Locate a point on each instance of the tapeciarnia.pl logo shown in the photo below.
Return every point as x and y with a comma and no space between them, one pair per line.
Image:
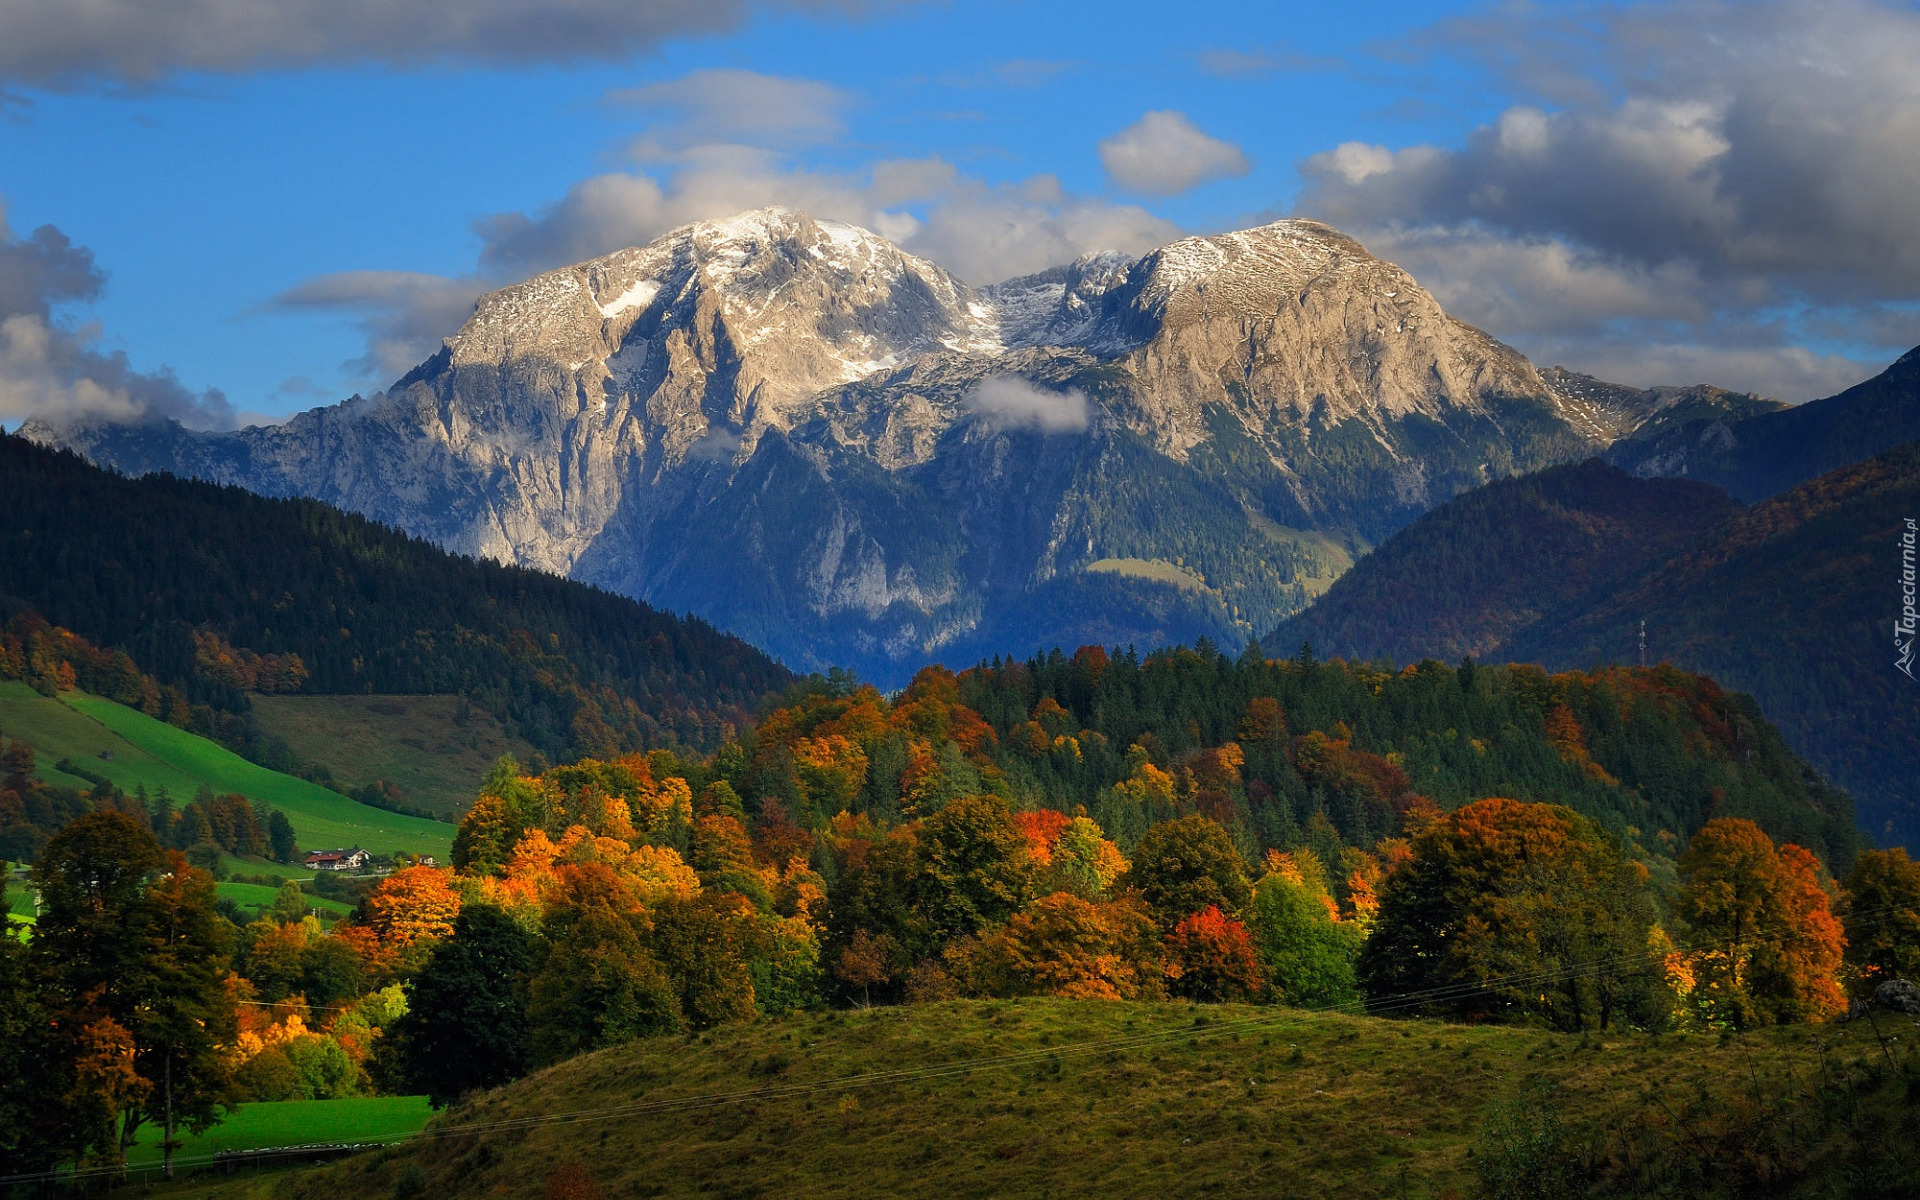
1903,628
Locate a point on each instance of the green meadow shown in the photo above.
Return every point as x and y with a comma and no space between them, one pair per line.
150,753
293,1123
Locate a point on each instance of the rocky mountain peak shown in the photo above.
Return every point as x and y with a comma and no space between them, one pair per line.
798,430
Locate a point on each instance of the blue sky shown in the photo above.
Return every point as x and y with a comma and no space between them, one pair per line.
302,208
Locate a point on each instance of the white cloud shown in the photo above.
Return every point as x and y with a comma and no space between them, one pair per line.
981,232
53,369
66,43
1164,154
1010,402
1693,175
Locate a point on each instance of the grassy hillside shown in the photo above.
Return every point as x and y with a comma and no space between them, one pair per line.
1065,1098
147,752
259,895
292,1122
435,749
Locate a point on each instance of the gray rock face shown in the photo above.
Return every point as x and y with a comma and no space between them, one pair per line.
809,437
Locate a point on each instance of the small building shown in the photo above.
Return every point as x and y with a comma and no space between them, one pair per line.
336,860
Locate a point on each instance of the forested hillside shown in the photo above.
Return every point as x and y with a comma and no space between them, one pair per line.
1465,578
217,593
1791,600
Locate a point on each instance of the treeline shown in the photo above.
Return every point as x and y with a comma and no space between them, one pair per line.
1293,751
215,591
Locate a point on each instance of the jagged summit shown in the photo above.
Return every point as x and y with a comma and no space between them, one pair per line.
837,449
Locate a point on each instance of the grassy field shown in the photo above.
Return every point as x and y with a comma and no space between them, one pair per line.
1329,559
259,895
296,1122
1158,570
154,754
1062,1098
434,748
19,898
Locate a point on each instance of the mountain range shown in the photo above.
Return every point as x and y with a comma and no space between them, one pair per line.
840,452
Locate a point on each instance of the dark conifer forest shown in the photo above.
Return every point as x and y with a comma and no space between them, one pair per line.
217,592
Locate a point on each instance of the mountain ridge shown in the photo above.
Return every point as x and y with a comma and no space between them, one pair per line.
844,454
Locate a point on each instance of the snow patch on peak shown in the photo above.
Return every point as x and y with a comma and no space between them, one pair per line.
639,295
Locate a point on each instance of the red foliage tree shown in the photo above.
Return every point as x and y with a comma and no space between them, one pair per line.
1210,957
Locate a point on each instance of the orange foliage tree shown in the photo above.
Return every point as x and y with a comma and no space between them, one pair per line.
406,913
1065,946
1767,945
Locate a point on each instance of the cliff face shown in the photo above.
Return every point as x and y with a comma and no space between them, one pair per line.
802,433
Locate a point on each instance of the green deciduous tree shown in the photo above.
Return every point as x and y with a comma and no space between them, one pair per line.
1883,918
974,869
598,986
1515,909
1308,955
464,1029
1187,866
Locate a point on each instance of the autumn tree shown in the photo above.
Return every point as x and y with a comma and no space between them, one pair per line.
1187,866
1210,957
1066,946
1083,862
1883,918
410,910
464,1028
1508,908
185,1025
974,869
88,956
1767,946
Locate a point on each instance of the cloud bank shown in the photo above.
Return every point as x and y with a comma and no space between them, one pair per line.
403,314
1700,188
52,369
